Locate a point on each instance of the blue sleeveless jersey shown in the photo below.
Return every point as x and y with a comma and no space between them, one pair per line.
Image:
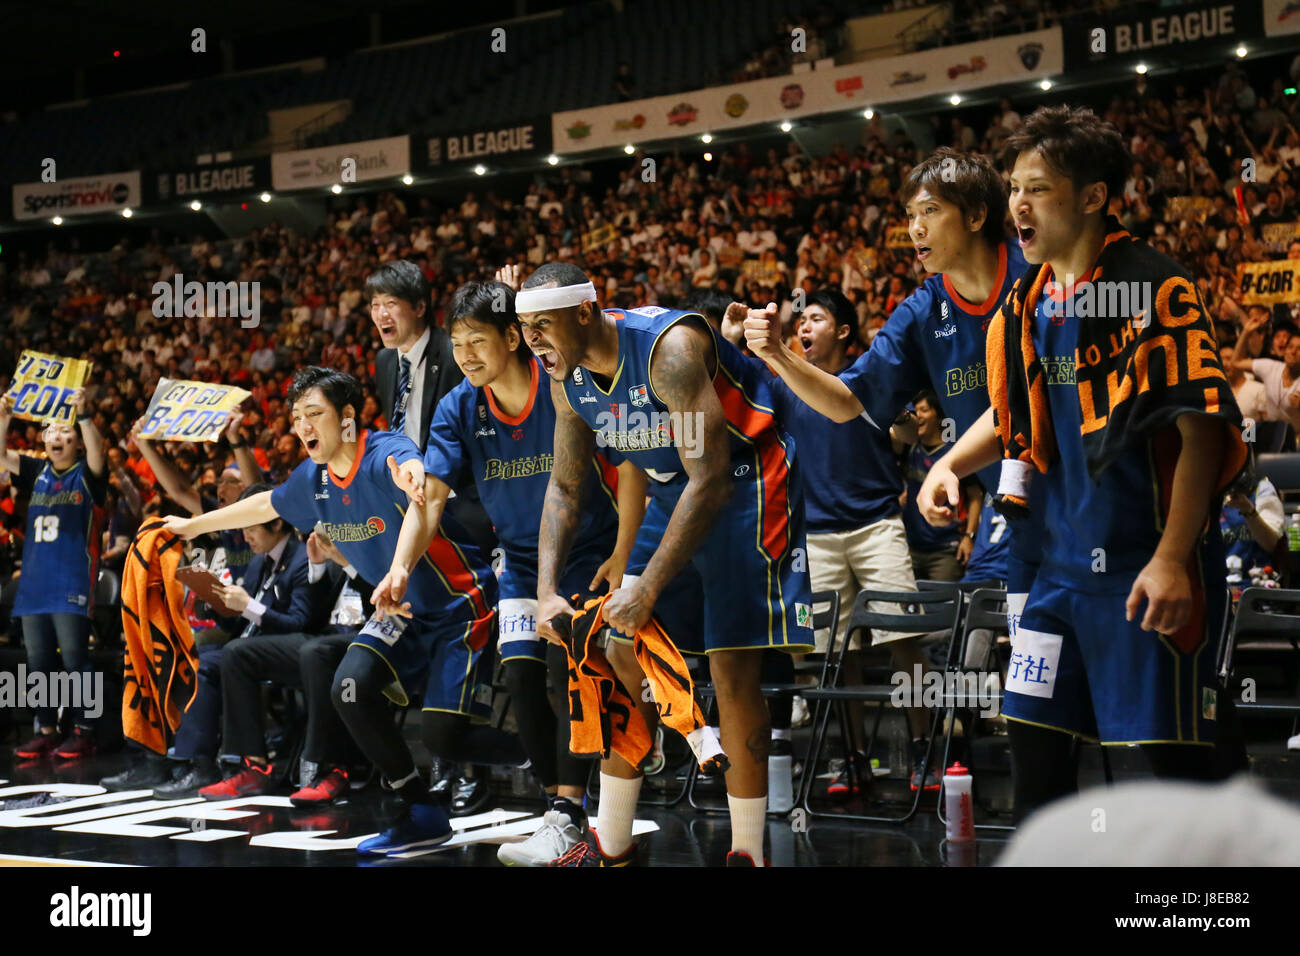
509,460
362,513
630,418
235,554
61,552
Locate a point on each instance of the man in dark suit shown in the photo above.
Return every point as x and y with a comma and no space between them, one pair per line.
302,660
413,371
275,598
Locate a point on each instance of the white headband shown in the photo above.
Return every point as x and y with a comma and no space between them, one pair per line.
561,297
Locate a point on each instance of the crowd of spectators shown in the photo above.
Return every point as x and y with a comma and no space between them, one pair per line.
754,223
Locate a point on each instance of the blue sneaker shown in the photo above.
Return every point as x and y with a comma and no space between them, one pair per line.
421,825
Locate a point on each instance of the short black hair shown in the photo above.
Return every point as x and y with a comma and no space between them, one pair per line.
968,181
492,303
340,388
256,489
710,303
402,279
838,306
930,398
1076,143
561,273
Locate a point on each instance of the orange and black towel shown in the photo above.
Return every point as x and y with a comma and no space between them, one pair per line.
604,717
1135,374
160,662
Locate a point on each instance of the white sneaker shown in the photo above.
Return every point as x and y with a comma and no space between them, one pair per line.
1293,743
799,715
556,836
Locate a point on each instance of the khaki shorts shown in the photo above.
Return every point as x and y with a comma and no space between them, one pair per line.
875,557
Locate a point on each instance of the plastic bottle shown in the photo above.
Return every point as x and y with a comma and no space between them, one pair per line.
958,808
780,777
1293,532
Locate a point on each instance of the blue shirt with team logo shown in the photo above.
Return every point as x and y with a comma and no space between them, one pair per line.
235,552
61,551
509,460
934,339
854,480
921,535
362,513
628,417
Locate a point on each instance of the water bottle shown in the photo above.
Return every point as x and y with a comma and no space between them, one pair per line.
780,778
958,809
1293,532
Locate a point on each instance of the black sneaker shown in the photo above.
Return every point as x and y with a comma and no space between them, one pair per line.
147,772
932,781
187,781
470,797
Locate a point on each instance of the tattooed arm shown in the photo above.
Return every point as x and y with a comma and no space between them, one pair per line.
680,375
575,443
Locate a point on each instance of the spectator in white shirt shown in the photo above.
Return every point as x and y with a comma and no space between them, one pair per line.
1281,380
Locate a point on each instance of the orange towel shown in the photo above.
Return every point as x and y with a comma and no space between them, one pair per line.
160,663
604,717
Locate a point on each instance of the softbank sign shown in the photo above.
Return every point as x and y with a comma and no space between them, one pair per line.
371,159
71,197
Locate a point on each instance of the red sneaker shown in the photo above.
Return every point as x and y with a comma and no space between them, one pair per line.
327,789
80,744
741,858
42,745
252,781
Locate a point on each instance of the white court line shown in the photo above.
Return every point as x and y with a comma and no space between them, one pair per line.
8,858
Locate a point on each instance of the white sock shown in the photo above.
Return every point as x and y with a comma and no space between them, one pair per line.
616,812
748,824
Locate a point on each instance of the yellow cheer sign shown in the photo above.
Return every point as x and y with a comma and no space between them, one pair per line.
190,411
43,385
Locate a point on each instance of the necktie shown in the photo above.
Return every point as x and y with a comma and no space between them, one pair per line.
403,395
264,585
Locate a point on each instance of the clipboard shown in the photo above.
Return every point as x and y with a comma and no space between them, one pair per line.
205,585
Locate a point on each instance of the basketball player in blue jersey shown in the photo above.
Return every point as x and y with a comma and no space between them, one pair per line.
1126,451
440,645
496,430
688,408
56,587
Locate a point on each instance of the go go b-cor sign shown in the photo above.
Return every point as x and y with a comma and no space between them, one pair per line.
43,384
190,411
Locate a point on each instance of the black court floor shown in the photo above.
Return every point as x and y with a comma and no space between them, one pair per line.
136,830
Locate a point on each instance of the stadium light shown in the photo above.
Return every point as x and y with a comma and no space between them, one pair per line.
1045,85
265,197
1241,52
954,99
786,127
1142,69
196,205
336,189
408,179
480,169
127,213
553,159
706,139
868,113
629,149
708,157
57,220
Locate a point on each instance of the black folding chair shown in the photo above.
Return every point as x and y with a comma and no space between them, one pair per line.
1261,617
828,617
936,609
